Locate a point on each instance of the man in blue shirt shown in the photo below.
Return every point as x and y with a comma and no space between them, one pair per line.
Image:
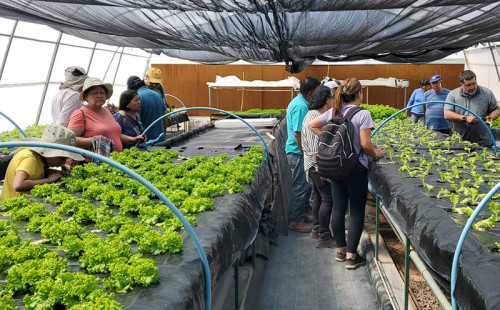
434,115
416,113
301,191
152,107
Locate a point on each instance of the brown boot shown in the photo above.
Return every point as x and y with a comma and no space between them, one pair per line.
326,240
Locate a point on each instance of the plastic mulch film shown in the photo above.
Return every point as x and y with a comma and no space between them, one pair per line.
434,234
283,188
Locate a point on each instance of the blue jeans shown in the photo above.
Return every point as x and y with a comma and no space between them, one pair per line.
301,190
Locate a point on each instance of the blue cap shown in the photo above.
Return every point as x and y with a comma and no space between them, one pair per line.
435,78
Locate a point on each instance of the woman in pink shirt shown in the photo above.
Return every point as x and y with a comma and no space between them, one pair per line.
92,123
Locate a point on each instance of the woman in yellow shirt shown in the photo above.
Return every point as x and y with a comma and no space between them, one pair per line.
29,165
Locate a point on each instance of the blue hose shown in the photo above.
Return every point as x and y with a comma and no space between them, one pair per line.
218,110
14,123
461,241
151,187
440,102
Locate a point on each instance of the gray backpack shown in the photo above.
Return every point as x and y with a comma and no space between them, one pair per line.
336,156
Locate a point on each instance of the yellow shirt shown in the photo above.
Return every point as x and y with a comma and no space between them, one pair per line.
24,160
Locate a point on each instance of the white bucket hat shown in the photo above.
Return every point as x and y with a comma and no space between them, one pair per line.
60,135
91,82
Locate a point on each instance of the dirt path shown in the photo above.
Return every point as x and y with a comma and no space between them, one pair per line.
419,290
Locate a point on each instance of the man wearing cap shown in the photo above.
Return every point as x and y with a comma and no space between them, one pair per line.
152,108
28,166
416,113
153,80
66,101
434,116
479,100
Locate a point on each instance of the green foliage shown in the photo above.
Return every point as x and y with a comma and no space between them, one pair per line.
382,111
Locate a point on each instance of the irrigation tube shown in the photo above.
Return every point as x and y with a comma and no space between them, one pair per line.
218,110
14,123
143,181
440,102
176,98
461,241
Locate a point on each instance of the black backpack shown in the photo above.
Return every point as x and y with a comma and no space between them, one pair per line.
336,156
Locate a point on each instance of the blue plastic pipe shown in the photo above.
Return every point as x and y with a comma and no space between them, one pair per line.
461,241
440,102
213,109
143,181
14,123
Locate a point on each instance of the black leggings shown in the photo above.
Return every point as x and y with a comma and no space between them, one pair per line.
322,201
352,189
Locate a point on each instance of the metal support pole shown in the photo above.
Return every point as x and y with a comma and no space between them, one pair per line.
117,68
494,60
91,57
377,223
147,66
47,80
404,103
236,282
407,270
7,49
209,97
109,65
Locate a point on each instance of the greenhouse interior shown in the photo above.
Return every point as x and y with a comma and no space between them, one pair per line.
186,175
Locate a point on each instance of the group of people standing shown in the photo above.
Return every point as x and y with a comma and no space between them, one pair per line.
447,117
89,126
306,114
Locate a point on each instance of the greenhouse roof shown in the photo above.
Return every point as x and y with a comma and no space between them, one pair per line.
297,32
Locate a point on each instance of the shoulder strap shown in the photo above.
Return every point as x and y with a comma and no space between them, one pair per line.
352,112
84,118
124,118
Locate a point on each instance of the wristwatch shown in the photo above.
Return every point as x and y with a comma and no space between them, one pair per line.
464,118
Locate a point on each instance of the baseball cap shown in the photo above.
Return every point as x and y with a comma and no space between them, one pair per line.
155,75
425,82
435,78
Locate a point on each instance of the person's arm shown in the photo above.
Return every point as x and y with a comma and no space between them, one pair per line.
411,102
71,104
22,184
493,116
129,141
81,142
315,125
298,139
455,117
367,145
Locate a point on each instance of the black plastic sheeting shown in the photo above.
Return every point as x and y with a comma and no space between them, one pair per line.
434,234
263,31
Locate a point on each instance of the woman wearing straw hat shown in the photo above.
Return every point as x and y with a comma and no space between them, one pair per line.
29,165
94,126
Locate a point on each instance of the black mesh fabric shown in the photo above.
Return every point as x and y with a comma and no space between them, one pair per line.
296,32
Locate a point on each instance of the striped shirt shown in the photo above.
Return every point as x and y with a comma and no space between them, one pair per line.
434,114
310,141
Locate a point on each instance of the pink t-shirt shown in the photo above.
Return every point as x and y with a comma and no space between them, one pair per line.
97,124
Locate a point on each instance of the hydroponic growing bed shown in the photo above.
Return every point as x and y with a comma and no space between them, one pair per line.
430,184
101,238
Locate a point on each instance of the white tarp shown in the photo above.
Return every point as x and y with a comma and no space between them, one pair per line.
233,81
388,82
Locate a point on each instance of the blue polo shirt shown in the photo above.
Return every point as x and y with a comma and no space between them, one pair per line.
152,107
416,97
434,113
295,113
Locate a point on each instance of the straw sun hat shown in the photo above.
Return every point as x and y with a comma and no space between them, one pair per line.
91,82
60,135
